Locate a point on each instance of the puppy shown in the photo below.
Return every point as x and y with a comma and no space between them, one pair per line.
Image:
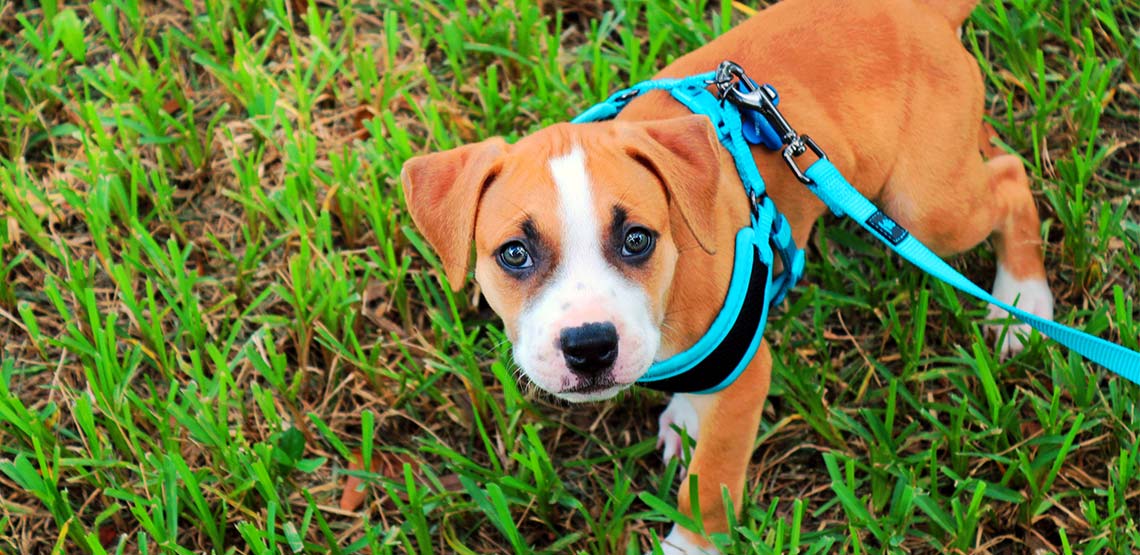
607,246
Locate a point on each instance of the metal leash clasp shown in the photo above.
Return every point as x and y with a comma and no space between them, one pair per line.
734,86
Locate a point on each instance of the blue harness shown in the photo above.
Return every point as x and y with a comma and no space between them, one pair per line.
745,114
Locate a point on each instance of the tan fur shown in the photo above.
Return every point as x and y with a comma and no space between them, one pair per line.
724,462
675,197
886,88
466,171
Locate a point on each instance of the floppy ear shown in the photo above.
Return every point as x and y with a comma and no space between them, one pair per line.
442,191
685,155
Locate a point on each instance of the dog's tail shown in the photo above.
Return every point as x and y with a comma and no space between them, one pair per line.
955,11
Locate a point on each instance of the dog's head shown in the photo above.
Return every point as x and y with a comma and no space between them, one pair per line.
576,231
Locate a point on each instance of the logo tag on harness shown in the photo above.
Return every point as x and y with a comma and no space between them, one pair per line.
888,228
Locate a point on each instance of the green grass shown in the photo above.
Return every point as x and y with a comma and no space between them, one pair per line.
211,298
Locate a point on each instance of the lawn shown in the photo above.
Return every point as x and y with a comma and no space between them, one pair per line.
214,310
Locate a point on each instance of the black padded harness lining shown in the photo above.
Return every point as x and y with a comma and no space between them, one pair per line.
718,364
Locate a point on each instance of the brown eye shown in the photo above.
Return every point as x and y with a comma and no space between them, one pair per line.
638,242
513,257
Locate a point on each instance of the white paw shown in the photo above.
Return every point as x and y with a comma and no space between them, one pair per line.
1031,295
679,413
678,543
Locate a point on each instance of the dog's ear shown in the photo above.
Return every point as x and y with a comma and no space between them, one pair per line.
685,155
442,191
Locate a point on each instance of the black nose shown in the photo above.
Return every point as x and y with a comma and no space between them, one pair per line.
590,349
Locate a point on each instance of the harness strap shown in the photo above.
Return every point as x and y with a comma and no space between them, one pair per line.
717,365
830,186
725,350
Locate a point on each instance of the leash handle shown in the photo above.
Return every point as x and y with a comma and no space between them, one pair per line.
843,199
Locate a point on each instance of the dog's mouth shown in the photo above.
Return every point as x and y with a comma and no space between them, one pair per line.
592,389
592,384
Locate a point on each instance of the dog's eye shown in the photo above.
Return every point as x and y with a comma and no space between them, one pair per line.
514,256
638,242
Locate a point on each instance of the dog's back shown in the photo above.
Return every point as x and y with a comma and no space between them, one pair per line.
856,76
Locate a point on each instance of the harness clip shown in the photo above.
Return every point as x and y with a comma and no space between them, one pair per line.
797,147
737,88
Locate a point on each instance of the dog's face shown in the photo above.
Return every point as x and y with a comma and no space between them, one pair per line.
576,231
575,253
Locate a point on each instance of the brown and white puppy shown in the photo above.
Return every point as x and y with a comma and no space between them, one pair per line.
606,246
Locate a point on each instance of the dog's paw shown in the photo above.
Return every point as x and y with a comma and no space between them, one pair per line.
1031,295
679,543
680,414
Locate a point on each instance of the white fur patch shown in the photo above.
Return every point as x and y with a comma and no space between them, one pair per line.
681,414
677,543
580,232
1030,295
585,288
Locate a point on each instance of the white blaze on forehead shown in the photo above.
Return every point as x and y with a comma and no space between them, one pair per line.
583,288
580,242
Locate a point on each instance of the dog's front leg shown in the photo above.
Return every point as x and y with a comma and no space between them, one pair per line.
727,422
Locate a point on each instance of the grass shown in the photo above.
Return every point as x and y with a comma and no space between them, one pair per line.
213,308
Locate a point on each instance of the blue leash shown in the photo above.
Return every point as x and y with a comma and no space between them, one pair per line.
743,114
843,200
825,181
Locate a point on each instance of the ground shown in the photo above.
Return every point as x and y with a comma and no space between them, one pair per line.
212,301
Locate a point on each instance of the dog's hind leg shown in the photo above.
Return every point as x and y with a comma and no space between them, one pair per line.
953,203
1020,278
